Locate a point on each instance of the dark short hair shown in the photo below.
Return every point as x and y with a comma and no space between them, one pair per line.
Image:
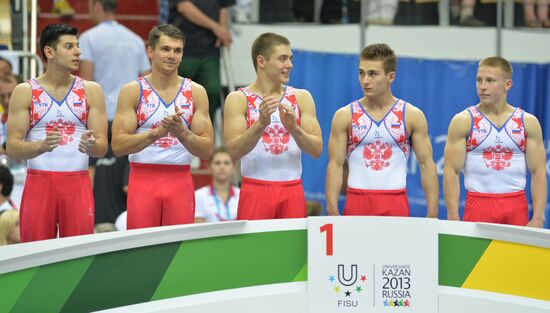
263,45
381,52
219,150
499,62
6,179
166,30
51,33
108,5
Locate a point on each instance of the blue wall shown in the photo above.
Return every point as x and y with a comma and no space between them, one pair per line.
440,88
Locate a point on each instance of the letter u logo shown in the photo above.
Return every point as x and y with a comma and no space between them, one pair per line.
342,275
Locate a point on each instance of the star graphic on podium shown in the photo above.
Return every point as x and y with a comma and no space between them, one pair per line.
386,303
348,293
395,303
358,289
391,303
337,288
363,278
331,278
401,302
407,303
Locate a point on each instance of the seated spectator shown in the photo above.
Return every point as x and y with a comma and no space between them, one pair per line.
540,19
5,67
463,11
218,201
9,227
7,85
6,186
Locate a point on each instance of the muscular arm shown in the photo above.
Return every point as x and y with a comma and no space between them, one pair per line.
454,156
239,139
199,139
125,140
424,154
18,126
337,146
536,162
97,119
308,133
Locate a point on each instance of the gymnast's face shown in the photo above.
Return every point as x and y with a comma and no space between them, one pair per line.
375,82
167,54
492,85
279,64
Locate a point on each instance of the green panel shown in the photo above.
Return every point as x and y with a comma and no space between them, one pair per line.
51,285
302,275
12,285
121,278
457,257
220,263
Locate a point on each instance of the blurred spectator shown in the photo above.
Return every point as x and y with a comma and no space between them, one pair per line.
6,185
112,55
5,67
540,19
204,23
218,201
63,8
314,208
104,228
242,12
7,85
9,227
462,11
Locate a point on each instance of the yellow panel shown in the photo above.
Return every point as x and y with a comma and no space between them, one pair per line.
5,23
513,269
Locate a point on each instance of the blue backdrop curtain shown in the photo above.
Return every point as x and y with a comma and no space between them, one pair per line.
439,88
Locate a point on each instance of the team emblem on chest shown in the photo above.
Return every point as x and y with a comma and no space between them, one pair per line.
377,155
275,139
498,157
65,128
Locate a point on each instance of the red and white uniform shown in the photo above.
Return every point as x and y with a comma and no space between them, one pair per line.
377,157
70,116
210,207
151,111
160,187
53,176
495,169
275,162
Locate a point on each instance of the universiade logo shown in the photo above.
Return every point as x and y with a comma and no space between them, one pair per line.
348,285
396,285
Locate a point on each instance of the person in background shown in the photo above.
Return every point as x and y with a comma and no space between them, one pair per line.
218,201
9,227
205,25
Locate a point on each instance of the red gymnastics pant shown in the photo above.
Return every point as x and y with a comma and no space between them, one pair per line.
56,202
160,194
502,208
377,202
260,199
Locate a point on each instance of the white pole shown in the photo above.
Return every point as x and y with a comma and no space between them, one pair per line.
34,19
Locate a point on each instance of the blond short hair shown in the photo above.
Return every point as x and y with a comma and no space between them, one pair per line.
498,62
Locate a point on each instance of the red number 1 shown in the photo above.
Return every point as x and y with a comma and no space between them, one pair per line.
328,228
